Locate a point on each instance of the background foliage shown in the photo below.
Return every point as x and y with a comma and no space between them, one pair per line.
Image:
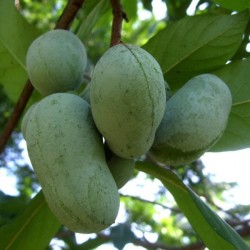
211,40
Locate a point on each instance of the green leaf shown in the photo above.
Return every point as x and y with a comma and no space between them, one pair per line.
196,45
32,229
237,134
237,5
12,75
10,206
94,13
15,37
147,4
130,8
214,232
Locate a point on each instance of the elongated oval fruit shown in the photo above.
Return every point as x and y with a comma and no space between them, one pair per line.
127,95
195,119
56,62
68,157
26,119
121,169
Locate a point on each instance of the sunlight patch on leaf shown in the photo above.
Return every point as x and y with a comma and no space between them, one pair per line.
237,134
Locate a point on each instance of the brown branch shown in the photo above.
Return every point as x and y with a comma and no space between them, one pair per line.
16,114
103,238
244,228
69,14
156,245
243,231
118,16
63,22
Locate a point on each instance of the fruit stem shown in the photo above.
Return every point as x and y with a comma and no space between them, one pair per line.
118,16
69,14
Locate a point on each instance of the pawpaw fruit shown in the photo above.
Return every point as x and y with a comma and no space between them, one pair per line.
128,99
67,155
56,61
121,169
26,119
195,118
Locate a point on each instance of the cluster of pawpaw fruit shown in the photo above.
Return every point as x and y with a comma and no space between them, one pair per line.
82,147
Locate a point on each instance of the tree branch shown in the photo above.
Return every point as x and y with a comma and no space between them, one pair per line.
118,16
244,231
63,22
174,210
69,14
155,245
16,114
102,238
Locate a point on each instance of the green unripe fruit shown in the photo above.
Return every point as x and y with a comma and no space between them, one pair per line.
121,169
68,157
195,119
128,99
26,119
56,62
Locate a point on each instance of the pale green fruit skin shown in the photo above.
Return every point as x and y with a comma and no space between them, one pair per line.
128,99
26,119
168,91
68,157
56,61
195,119
121,169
